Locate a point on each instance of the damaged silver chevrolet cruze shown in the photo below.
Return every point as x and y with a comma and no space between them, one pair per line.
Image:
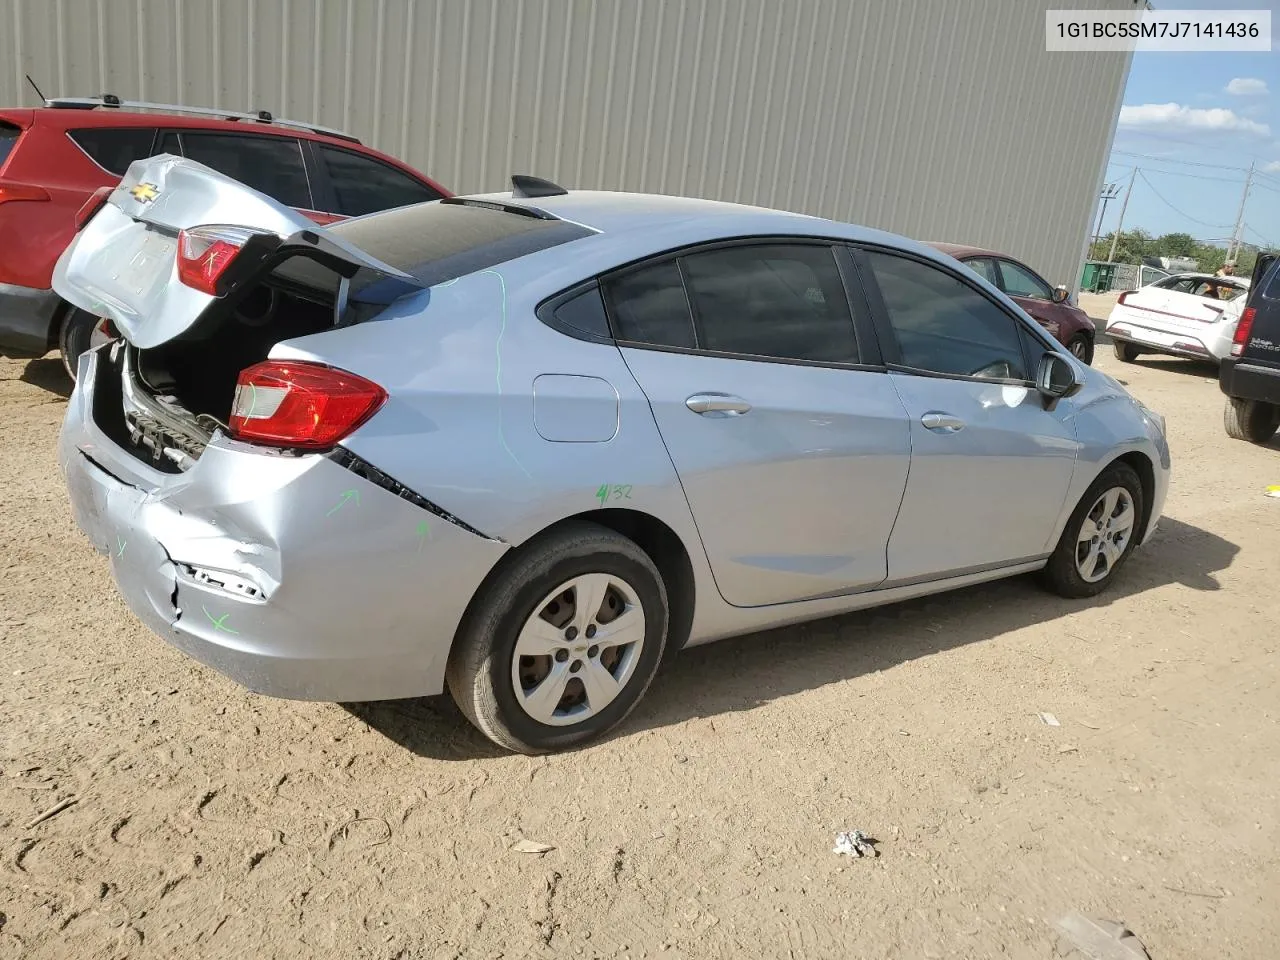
526,444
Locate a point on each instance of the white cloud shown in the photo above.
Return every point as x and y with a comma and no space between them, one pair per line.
1176,118
1247,87
1272,167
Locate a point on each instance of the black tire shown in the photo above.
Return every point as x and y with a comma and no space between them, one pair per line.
74,337
1061,574
1081,346
1251,420
1126,351
479,672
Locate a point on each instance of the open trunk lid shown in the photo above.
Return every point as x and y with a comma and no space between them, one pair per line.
124,263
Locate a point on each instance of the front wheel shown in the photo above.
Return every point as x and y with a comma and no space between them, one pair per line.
563,643
1251,420
80,331
1081,347
1099,537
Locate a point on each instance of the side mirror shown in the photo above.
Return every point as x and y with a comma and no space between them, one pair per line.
1060,294
1056,379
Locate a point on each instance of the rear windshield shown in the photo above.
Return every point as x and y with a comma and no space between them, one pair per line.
114,148
437,242
8,137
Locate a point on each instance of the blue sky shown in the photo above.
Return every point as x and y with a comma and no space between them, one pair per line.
1191,124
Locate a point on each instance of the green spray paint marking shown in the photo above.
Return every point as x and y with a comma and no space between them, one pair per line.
424,533
219,623
120,551
497,350
346,495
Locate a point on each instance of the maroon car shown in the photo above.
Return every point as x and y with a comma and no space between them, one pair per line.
1050,307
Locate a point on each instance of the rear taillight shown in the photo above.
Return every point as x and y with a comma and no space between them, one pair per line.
1241,336
92,206
287,403
204,253
1125,296
22,191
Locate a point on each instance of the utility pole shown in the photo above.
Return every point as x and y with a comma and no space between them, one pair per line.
1233,248
1115,239
1109,192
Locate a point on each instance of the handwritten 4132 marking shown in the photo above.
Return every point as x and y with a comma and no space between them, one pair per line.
615,492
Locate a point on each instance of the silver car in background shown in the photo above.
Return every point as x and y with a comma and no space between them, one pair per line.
523,445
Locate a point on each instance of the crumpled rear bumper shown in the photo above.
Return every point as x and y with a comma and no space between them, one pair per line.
289,574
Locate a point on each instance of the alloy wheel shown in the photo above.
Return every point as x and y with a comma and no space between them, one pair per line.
578,649
1105,534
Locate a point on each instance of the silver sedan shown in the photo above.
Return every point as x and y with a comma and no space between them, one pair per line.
526,444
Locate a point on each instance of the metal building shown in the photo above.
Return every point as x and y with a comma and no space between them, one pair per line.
939,119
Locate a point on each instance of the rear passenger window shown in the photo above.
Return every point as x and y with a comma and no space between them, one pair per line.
8,137
945,326
985,268
584,313
114,149
771,300
364,185
270,165
649,306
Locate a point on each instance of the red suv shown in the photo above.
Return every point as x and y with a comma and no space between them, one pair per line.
54,158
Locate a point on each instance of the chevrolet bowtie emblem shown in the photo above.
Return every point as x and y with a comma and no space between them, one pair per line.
145,192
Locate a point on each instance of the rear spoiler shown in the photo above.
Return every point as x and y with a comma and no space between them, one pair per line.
175,237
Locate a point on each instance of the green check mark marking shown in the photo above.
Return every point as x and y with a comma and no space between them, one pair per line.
219,623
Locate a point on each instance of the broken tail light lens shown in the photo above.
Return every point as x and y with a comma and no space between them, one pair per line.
286,403
204,253
1241,336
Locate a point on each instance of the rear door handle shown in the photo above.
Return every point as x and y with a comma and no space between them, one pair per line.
717,405
942,423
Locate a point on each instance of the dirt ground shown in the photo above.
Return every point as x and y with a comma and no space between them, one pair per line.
209,822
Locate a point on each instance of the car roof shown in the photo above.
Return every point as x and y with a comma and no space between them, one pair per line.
618,213
960,250
65,118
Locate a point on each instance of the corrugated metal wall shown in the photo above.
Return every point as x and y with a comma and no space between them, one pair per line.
940,119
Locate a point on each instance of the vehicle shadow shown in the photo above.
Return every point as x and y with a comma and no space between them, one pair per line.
745,672
48,374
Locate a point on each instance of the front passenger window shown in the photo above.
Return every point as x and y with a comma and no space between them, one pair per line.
945,326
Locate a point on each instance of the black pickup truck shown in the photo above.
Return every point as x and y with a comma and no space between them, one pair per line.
1250,377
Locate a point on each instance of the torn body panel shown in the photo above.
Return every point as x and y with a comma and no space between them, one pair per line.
288,573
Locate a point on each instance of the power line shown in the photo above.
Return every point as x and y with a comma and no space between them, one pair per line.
1190,163
1260,236
1194,176
1213,226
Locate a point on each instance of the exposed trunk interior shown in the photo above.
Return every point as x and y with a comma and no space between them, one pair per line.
168,400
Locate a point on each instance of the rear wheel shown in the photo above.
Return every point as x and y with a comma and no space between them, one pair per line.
1081,347
1251,420
563,644
80,331
1126,351
1102,532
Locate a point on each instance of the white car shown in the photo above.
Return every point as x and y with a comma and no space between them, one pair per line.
1185,315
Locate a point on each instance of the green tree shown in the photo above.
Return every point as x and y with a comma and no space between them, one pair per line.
1175,245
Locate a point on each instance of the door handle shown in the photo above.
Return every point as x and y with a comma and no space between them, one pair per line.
717,405
942,423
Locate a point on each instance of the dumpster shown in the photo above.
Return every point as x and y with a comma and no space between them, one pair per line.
1097,276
